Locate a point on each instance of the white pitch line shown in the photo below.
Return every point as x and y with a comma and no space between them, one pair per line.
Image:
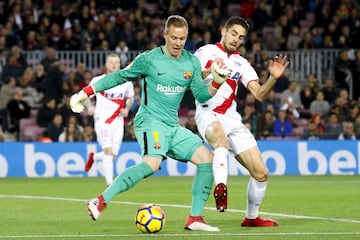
183,235
186,206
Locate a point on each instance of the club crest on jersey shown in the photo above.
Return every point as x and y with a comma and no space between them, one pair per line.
187,75
157,145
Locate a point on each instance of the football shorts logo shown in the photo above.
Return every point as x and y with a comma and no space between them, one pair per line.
157,145
187,75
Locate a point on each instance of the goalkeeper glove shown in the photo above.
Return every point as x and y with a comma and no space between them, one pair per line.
80,100
220,73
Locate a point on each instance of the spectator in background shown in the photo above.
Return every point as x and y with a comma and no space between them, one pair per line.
55,128
261,16
306,96
332,127
17,109
319,105
69,84
86,78
122,49
249,118
89,134
250,100
355,69
318,120
46,112
294,39
311,133
65,111
353,112
79,73
313,83
30,94
266,124
73,119
272,103
54,35
54,82
308,42
291,99
329,91
357,126
31,42
2,62
342,102
264,60
348,132
70,134
282,29
282,125
316,36
39,78
281,84
7,93
342,70
67,41
327,42
49,59
12,68
19,55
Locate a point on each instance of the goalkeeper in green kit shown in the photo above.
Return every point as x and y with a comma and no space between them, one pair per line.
166,72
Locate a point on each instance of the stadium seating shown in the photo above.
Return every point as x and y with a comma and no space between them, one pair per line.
29,130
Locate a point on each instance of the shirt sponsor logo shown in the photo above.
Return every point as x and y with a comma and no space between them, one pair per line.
113,95
170,89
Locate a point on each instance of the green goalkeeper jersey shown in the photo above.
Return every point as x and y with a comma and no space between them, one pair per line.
164,82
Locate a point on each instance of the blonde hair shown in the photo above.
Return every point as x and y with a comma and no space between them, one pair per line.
176,21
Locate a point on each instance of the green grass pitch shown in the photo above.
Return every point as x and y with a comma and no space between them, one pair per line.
306,207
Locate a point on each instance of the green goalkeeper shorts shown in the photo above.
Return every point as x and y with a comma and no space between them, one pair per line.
158,139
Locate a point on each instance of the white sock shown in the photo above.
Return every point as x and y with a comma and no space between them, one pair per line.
255,194
220,165
98,156
108,167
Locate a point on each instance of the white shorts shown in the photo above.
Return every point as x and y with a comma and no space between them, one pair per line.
239,136
110,135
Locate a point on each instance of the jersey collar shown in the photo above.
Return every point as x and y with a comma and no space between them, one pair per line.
219,45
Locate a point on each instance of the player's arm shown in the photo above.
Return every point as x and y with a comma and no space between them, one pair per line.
129,102
219,72
214,67
276,67
79,100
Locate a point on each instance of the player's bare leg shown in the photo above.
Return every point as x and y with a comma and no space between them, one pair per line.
252,160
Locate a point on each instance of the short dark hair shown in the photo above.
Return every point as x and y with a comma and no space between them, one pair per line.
235,20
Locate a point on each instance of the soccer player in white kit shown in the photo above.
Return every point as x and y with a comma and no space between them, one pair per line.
220,124
111,107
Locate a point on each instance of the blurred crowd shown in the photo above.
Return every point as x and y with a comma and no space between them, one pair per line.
299,108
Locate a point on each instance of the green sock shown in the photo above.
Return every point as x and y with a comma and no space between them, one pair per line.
201,188
127,180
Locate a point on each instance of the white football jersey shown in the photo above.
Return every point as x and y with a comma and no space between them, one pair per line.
241,71
111,101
